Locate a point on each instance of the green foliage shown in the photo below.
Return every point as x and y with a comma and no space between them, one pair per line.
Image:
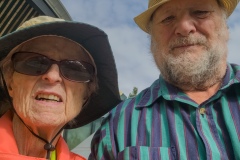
123,96
134,92
131,95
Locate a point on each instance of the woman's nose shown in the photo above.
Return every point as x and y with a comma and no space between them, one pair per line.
53,75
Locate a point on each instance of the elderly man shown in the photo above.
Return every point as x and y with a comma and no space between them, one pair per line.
193,110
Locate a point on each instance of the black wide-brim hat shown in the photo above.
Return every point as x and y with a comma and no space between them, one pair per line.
95,41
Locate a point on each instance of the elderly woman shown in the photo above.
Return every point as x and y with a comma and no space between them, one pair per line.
54,75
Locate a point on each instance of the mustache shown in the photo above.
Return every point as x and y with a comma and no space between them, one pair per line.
190,40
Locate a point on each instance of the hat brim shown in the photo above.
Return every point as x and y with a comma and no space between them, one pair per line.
95,41
143,19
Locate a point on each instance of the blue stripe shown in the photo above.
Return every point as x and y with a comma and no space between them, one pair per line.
162,122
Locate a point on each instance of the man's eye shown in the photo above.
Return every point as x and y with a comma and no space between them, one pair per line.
167,19
201,14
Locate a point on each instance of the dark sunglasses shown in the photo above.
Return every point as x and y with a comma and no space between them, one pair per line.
35,64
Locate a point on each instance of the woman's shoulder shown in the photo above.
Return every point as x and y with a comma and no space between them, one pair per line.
75,156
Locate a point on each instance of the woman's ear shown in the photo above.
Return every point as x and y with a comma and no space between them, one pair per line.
9,88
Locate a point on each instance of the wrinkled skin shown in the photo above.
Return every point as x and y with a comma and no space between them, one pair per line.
45,117
189,41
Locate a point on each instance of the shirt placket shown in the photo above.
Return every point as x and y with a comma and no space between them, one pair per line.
207,130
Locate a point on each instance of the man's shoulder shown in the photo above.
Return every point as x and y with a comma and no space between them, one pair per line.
235,67
142,98
232,75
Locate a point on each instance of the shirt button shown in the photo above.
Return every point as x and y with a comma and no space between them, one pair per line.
202,110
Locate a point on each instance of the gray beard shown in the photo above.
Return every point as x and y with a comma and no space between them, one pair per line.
192,72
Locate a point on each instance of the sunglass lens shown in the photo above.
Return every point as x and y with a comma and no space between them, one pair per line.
31,65
76,71
36,64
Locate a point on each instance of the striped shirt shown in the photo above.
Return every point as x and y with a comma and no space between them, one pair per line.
163,123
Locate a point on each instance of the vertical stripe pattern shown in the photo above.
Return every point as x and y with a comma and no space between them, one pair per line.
162,123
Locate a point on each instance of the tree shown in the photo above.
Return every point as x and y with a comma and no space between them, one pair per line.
134,92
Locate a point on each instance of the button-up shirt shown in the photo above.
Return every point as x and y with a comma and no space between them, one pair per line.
163,123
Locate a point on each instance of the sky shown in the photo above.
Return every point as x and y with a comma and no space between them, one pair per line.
130,45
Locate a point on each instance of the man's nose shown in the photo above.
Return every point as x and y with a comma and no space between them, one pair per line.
185,26
53,75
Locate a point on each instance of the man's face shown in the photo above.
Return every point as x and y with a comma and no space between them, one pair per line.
189,41
48,100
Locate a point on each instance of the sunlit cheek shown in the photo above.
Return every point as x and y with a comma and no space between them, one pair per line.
21,101
158,51
220,37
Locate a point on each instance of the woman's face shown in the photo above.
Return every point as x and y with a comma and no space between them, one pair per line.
48,100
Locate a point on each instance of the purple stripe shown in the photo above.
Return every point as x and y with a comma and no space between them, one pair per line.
156,134
159,154
200,131
133,153
234,107
128,123
214,132
146,95
137,144
222,124
106,154
172,126
173,92
190,139
169,155
138,153
99,136
142,130
154,153
114,125
154,93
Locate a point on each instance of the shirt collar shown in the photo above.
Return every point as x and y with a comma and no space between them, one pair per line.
232,76
160,88
149,95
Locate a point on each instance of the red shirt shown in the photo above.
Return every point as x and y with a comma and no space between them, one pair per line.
9,149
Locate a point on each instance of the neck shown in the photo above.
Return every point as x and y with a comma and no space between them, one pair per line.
27,143
199,96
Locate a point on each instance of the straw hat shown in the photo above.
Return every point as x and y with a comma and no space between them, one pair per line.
143,19
94,40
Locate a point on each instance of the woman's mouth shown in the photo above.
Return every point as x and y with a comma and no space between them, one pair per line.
48,97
